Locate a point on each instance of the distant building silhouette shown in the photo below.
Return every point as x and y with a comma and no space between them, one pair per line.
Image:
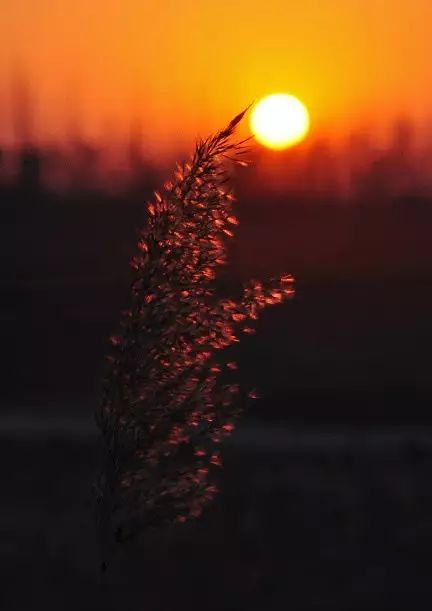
379,178
2,169
358,156
29,158
376,184
23,109
83,165
320,172
135,152
29,169
403,160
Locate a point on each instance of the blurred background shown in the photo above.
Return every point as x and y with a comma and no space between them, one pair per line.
326,495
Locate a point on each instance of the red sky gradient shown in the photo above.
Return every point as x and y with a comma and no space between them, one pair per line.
185,67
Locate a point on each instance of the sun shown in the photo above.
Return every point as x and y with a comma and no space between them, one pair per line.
279,121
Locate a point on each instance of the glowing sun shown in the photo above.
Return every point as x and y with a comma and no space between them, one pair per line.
279,121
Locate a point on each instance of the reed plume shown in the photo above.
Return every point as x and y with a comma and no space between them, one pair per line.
170,395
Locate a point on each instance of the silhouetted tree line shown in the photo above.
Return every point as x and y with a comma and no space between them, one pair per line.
360,172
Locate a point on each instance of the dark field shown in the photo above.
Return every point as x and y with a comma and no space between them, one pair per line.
308,519
326,496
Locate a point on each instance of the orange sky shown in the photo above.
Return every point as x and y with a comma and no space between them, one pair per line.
186,66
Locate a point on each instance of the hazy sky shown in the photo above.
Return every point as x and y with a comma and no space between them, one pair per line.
185,66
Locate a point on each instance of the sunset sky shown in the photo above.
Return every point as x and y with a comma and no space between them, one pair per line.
184,67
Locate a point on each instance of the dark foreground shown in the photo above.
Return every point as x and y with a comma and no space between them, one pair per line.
307,519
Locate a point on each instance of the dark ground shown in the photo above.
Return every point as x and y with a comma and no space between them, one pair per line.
307,520
327,496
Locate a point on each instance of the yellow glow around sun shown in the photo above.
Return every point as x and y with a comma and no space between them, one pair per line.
279,121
